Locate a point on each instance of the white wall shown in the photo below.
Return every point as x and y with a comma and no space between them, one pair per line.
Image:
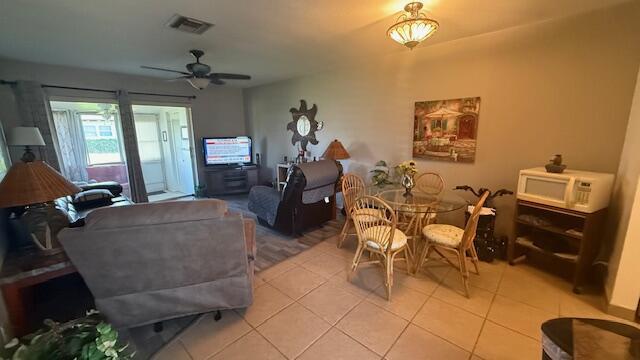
555,87
217,111
622,286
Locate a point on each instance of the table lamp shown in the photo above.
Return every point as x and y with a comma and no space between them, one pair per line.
35,184
335,151
27,137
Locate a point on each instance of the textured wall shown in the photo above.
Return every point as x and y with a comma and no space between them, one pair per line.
561,86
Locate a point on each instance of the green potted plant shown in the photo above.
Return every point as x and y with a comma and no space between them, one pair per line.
86,338
380,176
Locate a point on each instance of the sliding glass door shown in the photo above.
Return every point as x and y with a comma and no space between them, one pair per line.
90,139
165,145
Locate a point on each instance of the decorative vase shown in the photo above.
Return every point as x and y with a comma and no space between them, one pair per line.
43,223
555,164
408,183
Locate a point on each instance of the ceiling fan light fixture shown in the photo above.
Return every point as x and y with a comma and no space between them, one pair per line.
412,28
199,83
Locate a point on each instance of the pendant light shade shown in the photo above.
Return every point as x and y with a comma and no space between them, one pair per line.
413,27
199,83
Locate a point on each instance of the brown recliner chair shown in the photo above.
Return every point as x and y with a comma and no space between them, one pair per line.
306,201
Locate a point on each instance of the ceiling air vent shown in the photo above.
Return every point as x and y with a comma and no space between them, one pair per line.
188,24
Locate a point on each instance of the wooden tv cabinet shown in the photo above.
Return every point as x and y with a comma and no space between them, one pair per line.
231,180
576,237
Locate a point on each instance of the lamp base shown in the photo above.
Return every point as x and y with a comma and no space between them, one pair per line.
44,222
28,155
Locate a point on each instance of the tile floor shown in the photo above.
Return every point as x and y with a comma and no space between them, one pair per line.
304,308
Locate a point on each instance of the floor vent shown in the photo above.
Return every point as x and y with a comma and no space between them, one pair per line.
187,24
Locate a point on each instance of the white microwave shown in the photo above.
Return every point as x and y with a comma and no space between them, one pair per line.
582,191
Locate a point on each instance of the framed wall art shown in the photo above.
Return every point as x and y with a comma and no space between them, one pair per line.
446,130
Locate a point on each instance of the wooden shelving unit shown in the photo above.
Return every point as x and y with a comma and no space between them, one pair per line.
561,241
226,181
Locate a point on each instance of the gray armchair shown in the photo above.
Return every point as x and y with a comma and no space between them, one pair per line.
146,263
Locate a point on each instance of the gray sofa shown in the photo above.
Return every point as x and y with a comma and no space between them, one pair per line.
146,263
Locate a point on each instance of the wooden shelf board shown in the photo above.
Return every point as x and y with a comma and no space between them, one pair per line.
562,256
551,229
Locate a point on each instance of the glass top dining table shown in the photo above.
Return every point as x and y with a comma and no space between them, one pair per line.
415,210
418,202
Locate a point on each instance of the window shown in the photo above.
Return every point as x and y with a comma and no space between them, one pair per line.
90,131
100,138
90,141
105,131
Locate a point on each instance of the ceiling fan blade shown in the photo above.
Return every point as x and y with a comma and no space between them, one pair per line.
230,76
217,81
167,70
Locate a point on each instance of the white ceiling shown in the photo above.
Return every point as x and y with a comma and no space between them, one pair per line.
267,39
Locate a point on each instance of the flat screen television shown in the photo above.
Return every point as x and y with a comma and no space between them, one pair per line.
227,150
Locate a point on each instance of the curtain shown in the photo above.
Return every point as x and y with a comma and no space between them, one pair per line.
5,163
73,151
134,166
34,110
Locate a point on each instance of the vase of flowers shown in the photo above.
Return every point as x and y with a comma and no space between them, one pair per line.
407,171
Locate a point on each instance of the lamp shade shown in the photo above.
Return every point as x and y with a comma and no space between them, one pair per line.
335,151
199,83
34,182
25,136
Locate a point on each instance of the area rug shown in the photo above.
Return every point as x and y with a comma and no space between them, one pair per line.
273,247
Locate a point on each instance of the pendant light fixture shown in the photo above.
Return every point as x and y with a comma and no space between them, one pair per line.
412,28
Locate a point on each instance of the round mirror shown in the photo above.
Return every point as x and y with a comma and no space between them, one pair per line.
303,125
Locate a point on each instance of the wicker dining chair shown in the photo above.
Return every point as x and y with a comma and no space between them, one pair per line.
352,188
377,234
452,238
430,183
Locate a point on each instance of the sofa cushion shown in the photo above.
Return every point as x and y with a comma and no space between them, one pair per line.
155,213
114,187
92,198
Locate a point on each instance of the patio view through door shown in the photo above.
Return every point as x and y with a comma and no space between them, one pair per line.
89,135
165,147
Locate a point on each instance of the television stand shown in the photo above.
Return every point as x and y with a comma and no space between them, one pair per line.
227,180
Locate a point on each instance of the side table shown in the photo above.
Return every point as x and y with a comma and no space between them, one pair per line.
22,270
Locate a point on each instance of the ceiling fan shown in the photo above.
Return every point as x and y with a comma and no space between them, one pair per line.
199,75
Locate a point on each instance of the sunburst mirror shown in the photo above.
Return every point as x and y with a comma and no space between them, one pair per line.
304,125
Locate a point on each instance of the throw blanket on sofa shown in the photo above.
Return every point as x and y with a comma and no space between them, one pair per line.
321,179
264,202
